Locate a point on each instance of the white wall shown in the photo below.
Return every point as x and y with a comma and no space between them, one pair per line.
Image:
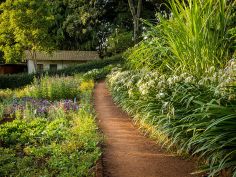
31,68
46,64
60,66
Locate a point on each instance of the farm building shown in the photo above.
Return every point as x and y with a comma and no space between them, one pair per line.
59,59
12,68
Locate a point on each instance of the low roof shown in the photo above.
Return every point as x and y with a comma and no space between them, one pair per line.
65,55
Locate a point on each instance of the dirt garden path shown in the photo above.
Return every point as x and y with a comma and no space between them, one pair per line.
126,152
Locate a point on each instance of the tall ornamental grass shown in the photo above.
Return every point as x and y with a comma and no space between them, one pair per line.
196,36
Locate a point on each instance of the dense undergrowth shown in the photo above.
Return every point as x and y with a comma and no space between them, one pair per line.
49,129
180,84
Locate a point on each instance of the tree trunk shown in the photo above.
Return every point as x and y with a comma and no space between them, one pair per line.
136,29
33,56
136,12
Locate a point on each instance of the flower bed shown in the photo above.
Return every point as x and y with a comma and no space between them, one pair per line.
20,107
51,136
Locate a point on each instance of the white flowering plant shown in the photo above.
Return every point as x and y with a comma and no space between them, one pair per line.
195,115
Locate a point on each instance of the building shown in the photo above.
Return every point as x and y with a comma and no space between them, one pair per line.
12,68
59,59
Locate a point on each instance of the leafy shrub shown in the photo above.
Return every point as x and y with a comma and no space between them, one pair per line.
5,94
20,80
194,116
16,80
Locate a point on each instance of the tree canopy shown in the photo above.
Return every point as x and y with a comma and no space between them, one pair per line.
44,25
24,25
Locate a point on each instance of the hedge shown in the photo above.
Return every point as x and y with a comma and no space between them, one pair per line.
19,80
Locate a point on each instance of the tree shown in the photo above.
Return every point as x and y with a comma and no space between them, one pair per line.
148,10
79,25
24,25
115,17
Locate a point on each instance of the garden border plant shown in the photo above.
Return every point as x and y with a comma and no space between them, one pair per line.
189,115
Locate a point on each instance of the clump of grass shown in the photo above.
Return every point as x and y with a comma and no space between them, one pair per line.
193,39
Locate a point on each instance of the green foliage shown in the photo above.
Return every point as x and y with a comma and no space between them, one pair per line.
12,54
119,41
77,20
184,113
192,40
25,25
58,144
185,96
5,94
1,110
146,54
1,57
116,12
20,80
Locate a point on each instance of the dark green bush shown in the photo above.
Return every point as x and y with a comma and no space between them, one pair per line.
119,41
82,68
20,80
15,80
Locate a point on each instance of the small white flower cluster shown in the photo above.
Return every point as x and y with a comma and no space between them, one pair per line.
93,72
153,84
227,81
147,82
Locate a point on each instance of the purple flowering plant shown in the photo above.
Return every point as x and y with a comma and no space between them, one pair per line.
40,107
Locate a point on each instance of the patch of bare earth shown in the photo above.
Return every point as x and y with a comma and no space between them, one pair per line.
126,152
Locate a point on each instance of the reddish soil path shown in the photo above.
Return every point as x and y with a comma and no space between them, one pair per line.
126,152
